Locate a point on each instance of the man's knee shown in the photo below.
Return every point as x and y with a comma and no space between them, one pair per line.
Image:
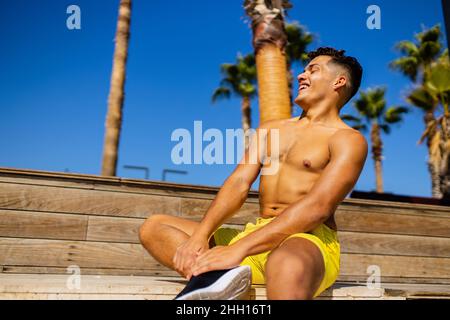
150,227
288,276
282,264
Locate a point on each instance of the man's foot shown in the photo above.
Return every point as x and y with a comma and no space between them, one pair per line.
231,284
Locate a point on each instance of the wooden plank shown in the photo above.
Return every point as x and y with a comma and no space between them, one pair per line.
18,172
59,253
155,270
124,230
67,200
163,271
395,207
395,266
197,208
89,284
373,222
362,279
114,229
108,181
388,244
45,181
29,224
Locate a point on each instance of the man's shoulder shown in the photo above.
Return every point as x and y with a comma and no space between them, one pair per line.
348,138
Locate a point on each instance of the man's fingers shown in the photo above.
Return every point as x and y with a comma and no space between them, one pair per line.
203,268
188,264
202,264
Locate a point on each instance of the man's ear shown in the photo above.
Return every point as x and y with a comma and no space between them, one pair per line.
340,81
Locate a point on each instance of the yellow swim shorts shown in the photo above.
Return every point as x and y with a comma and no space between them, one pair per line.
323,237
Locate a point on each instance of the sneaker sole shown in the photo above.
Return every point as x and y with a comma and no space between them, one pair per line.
231,286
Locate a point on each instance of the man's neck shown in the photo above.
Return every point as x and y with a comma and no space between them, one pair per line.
322,114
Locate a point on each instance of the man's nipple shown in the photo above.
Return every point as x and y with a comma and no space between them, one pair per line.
307,163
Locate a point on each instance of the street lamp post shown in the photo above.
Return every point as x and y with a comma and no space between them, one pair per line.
165,171
145,169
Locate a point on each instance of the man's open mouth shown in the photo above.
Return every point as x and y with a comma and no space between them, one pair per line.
303,87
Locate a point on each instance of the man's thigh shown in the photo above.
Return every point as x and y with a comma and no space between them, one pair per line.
184,225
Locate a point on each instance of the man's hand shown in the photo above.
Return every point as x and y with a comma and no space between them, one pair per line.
187,253
218,258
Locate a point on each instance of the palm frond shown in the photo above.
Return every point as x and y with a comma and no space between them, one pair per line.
371,103
438,81
350,118
360,127
354,122
421,98
395,114
298,39
386,129
428,51
407,47
409,66
238,78
221,93
432,34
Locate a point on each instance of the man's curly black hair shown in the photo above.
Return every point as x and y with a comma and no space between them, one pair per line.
352,65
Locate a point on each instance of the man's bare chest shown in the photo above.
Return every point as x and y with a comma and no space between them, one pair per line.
301,149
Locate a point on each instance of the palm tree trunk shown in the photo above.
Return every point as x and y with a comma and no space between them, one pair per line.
269,42
290,80
273,91
377,152
445,149
433,137
246,117
434,167
116,93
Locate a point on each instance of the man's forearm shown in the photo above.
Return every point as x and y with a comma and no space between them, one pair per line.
227,202
302,216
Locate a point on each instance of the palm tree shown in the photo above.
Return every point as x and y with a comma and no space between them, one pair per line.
298,39
419,55
438,85
116,92
371,106
269,42
239,79
415,63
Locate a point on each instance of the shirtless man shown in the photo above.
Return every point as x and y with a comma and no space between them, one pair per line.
293,247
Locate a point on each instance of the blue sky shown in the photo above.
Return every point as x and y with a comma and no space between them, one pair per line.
55,81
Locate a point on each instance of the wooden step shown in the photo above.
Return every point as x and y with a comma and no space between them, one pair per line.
60,287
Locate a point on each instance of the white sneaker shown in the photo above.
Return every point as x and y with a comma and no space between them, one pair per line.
231,284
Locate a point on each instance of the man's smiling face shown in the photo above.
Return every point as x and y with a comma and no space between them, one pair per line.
316,82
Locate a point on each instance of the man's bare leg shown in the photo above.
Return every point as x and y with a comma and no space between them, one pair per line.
294,270
162,234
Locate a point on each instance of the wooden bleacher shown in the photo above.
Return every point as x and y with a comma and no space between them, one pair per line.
50,221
